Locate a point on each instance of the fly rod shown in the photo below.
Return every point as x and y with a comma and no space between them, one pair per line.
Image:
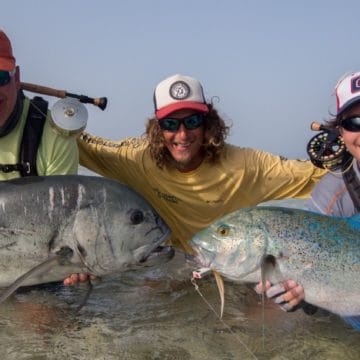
100,102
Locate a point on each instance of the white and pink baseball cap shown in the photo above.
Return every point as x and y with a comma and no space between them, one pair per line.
347,91
179,92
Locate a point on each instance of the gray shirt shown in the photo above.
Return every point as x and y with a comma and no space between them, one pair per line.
330,196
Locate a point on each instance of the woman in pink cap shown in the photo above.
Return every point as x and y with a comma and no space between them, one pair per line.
338,192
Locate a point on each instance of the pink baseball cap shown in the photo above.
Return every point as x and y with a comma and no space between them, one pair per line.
347,91
179,92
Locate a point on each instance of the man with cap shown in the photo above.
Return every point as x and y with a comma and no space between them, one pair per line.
21,154
187,171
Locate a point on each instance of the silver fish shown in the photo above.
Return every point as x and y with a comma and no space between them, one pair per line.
320,252
75,224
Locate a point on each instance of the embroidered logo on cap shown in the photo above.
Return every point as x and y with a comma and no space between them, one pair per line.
355,84
179,90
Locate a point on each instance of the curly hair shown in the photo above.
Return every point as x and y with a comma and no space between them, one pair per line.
216,132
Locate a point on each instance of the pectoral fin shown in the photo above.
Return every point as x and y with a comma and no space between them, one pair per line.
270,270
62,255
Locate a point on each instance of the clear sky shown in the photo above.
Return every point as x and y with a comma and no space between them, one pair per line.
272,65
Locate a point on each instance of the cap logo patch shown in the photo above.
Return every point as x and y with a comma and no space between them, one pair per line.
179,90
355,84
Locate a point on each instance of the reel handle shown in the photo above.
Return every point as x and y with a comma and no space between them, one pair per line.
100,102
315,126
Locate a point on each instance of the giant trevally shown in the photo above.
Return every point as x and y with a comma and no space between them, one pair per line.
74,224
320,252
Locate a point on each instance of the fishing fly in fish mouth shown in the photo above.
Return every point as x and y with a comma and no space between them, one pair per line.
269,243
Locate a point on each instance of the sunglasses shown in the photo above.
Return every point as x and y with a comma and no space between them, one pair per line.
190,123
351,124
5,77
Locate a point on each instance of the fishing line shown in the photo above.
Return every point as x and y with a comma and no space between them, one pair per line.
62,326
86,297
193,281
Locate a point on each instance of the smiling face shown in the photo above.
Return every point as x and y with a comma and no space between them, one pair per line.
352,138
185,145
8,96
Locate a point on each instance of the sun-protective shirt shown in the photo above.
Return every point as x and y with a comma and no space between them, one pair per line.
56,155
190,201
331,197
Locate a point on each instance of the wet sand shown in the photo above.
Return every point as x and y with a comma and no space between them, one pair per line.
157,314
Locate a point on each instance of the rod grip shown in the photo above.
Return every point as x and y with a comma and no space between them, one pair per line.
43,90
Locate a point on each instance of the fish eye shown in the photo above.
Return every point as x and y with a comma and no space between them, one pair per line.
136,217
223,230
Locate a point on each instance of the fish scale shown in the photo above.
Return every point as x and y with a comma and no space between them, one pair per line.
92,216
320,252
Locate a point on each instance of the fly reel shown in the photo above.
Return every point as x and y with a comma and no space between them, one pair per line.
69,117
327,149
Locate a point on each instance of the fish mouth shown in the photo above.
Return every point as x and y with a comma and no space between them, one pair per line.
198,259
161,254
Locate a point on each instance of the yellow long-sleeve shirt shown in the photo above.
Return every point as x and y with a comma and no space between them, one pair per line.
190,201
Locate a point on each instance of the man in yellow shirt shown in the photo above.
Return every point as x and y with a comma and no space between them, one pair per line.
187,171
19,154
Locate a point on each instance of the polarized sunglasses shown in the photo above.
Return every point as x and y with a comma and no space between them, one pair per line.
190,123
5,77
351,124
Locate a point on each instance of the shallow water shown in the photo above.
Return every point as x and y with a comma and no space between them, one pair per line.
156,314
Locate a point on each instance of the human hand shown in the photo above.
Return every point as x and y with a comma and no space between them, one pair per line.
78,278
289,295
